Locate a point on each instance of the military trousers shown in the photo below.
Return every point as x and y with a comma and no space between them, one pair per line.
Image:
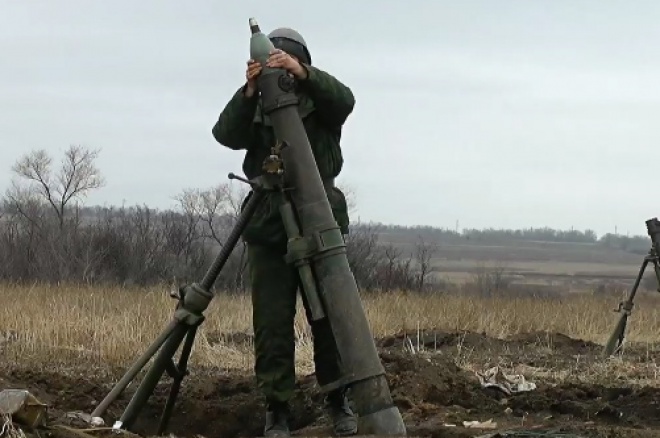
274,287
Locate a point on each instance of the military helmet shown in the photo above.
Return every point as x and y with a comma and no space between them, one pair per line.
291,42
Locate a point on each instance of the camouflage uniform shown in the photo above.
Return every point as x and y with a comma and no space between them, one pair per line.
325,103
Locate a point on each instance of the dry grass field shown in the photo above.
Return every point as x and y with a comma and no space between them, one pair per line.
69,345
66,326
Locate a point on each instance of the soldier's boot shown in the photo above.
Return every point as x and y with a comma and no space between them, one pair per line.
343,419
277,420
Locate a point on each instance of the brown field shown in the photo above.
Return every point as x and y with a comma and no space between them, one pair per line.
68,345
565,266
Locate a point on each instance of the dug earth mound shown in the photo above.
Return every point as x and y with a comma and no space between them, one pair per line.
433,381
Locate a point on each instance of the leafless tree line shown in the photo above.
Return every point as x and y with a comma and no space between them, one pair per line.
47,234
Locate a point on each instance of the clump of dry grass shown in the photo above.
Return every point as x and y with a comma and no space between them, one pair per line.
100,327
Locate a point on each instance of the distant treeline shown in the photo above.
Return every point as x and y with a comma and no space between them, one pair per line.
486,236
635,244
48,235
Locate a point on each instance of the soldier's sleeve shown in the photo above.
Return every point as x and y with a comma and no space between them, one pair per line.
333,100
233,126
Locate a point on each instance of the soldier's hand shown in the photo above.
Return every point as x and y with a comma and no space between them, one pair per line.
280,59
253,70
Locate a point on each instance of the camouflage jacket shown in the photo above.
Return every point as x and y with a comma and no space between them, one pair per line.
325,104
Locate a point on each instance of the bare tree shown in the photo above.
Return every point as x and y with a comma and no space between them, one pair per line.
392,254
213,207
216,211
363,255
235,195
77,176
184,233
425,250
351,197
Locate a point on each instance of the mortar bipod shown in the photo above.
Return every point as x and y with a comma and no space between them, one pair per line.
193,300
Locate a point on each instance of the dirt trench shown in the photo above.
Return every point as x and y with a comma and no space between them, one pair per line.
434,395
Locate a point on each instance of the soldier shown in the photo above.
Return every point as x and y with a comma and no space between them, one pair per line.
325,104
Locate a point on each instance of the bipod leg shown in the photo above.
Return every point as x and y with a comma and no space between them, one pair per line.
656,268
193,301
134,370
615,341
148,384
178,373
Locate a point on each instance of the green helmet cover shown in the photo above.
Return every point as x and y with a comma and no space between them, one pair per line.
292,42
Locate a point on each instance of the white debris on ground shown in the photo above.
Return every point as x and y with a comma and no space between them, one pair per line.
509,384
474,424
490,424
84,419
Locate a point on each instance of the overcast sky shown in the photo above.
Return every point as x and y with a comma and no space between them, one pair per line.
490,113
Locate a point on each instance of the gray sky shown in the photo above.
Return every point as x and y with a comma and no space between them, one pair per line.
491,113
